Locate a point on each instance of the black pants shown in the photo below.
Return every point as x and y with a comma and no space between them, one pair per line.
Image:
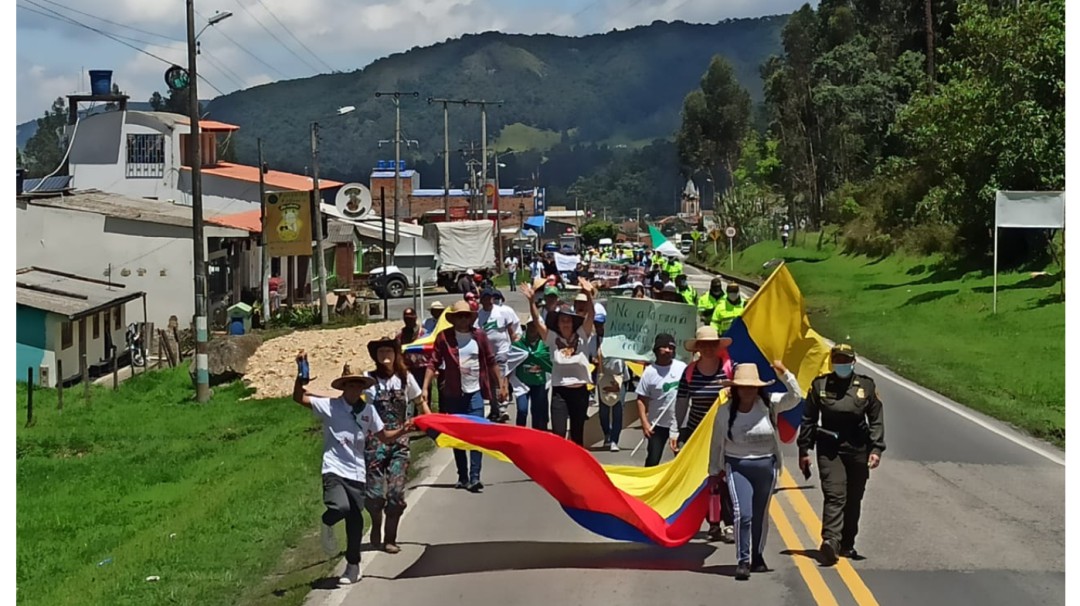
843,482
570,403
657,443
344,500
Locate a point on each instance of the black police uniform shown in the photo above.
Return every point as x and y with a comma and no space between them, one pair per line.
852,427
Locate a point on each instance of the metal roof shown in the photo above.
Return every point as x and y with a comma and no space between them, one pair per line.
47,185
121,207
67,294
338,232
389,174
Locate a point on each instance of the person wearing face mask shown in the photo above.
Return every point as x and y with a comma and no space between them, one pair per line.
686,292
727,310
708,301
849,441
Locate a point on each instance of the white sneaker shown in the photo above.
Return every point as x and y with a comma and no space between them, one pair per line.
352,575
614,447
329,540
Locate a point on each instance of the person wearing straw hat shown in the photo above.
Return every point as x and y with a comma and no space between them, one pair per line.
745,453
464,361
347,424
394,395
849,441
699,389
572,341
436,310
656,391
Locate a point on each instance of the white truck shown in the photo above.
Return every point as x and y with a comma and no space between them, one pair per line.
447,250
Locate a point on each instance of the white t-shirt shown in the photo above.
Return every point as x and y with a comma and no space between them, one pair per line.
469,358
660,384
751,434
512,318
344,434
570,370
496,325
511,264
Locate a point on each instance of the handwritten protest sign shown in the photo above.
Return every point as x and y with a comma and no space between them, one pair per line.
632,325
637,273
607,274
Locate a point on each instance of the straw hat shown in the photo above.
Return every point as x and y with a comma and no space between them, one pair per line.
436,305
564,310
460,308
708,334
746,375
349,377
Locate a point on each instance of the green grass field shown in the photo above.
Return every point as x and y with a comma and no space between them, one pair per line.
221,501
934,325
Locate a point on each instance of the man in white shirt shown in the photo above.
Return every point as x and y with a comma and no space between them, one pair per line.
657,391
511,265
500,329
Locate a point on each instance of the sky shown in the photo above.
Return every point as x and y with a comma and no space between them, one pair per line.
270,40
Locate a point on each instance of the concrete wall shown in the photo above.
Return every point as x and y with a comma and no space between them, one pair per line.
39,342
30,341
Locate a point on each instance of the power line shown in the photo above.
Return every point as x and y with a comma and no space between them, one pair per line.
250,54
142,31
274,36
298,41
52,14
225,71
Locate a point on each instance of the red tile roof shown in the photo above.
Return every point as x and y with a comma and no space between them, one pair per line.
274,179
211,125
249,220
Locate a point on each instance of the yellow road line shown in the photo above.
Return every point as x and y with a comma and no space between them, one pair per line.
854,582
807,568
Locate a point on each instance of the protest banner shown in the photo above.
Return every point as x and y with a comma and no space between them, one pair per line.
566,262
632,325
637,273
607,274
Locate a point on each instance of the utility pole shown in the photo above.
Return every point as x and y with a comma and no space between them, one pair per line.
320,258
202,363
483,136
471,162
262,238
397,157
446,148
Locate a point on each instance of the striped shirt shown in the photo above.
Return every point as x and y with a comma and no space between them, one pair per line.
701,393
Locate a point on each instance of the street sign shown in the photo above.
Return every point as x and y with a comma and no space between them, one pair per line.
730,232
489,190
353,200
176,78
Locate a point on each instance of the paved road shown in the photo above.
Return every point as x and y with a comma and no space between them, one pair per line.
962,510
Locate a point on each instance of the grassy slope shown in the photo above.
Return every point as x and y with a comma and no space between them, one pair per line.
518,136
236,481
935,326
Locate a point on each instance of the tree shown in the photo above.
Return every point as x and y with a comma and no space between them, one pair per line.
176,102
157,103
44,151
595,230
111,106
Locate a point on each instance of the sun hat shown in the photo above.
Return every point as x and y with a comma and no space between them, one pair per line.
706,333
746,375
564,310
349,377
388,341
436,305
460,308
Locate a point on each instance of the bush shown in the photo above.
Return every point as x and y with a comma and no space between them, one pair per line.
295,317
929,238
862,237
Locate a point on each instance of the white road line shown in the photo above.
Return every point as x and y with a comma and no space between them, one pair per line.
336,597
957,409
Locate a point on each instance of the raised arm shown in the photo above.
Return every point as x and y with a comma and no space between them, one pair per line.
534,312
587,288
784,401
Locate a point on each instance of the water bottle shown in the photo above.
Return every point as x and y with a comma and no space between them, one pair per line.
302,369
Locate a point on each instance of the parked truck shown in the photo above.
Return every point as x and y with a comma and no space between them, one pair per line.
461,246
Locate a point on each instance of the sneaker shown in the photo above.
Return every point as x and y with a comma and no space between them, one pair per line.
352,575
477,487
328,540
614,447
849,553
742,572
727,535
758,564
828,553
461,485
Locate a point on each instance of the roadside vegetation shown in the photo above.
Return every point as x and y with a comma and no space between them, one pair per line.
220,501
933,322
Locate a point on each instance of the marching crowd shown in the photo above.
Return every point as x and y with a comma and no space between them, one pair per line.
551,370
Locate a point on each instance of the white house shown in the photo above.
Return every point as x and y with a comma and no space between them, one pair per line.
145,244
74,320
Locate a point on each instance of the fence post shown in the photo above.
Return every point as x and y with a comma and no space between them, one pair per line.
59,384
115,376
29,396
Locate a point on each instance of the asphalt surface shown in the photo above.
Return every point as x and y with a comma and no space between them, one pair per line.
962,510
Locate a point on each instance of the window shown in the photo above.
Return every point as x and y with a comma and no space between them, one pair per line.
118,315
65,335
97,326
145,156
108,321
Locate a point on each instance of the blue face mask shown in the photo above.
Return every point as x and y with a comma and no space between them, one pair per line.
843,370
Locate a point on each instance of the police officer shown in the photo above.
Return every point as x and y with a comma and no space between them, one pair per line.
708,301
687,292
849,442
727,310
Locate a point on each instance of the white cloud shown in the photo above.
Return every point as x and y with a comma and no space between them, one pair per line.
345,34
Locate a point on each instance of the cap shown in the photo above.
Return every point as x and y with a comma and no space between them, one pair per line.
663,340
843,349
732,287
717,282
489,292
551,290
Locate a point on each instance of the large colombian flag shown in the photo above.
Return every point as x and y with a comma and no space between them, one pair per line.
665,504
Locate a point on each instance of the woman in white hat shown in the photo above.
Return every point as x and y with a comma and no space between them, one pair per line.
436,310
347,421
745,452
699,389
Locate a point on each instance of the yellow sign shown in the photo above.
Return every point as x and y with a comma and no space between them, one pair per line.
287,223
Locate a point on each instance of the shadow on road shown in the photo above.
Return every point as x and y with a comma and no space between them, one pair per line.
464,558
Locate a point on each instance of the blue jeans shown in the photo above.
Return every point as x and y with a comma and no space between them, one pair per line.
538,396
472,404
751,482
611,420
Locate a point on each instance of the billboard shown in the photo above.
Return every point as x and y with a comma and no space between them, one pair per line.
287,223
